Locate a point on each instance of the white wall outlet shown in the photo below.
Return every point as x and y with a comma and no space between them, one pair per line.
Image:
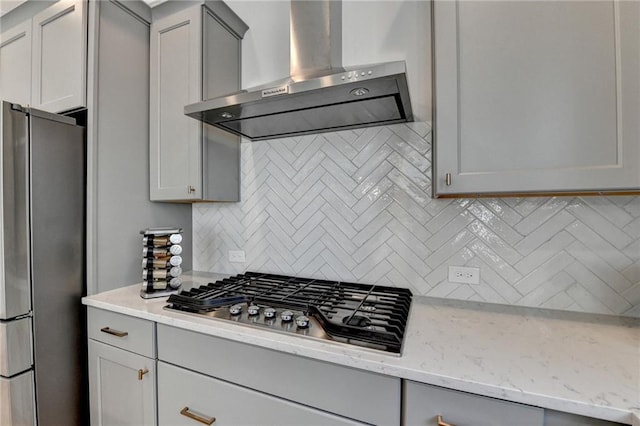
464,274
236,256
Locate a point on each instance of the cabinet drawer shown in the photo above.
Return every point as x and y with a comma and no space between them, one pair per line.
15,347
188,398
424,403
356,394
17,402
129,333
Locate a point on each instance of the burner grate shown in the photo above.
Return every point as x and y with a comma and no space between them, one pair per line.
361,314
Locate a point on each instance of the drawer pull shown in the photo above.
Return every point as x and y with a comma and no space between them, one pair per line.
113,332
142,372
443,423
197,417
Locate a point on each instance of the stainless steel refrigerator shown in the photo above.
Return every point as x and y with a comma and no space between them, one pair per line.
42,354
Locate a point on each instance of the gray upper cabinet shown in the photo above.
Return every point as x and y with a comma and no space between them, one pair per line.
536,97
118,204
195,54
15,64
64,55
176,75
43,56
59,57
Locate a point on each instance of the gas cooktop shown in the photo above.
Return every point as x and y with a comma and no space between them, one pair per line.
369,316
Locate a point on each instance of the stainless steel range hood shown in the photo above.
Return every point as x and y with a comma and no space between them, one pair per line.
320,95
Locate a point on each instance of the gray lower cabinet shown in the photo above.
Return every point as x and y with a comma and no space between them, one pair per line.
423,404
306,391
143,373
536,96
558,418
428,405
122,369
122,386
188,398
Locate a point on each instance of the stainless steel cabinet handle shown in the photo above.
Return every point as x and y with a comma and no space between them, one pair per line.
197,417
113,332
447,179
142,372
191,189
443,423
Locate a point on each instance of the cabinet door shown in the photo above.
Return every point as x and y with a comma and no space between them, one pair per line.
17,400
60,56
15,64
122,386
220,149
176,79
424,403
536,96
187,398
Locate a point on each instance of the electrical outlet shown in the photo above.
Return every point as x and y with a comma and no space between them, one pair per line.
236,256
464,274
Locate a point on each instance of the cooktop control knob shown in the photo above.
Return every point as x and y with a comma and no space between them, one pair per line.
302,321
236,309
253,310
269,313
286,316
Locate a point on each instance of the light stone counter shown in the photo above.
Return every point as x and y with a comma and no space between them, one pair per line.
579,363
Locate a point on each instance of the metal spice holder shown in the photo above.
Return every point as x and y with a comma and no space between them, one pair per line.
161,260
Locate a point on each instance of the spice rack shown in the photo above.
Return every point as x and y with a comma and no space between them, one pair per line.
161,260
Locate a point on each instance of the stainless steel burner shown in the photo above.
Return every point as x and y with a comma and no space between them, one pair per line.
370,316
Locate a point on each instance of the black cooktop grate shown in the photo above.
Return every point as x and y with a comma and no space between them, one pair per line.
361,314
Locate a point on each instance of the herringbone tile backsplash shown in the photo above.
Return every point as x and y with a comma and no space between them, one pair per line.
355,206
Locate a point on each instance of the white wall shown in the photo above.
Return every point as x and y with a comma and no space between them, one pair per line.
355,205
265,47
384,31
372,32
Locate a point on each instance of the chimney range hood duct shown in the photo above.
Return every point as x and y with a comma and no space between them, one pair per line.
320,95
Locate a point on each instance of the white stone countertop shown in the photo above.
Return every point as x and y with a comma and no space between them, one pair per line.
578,363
